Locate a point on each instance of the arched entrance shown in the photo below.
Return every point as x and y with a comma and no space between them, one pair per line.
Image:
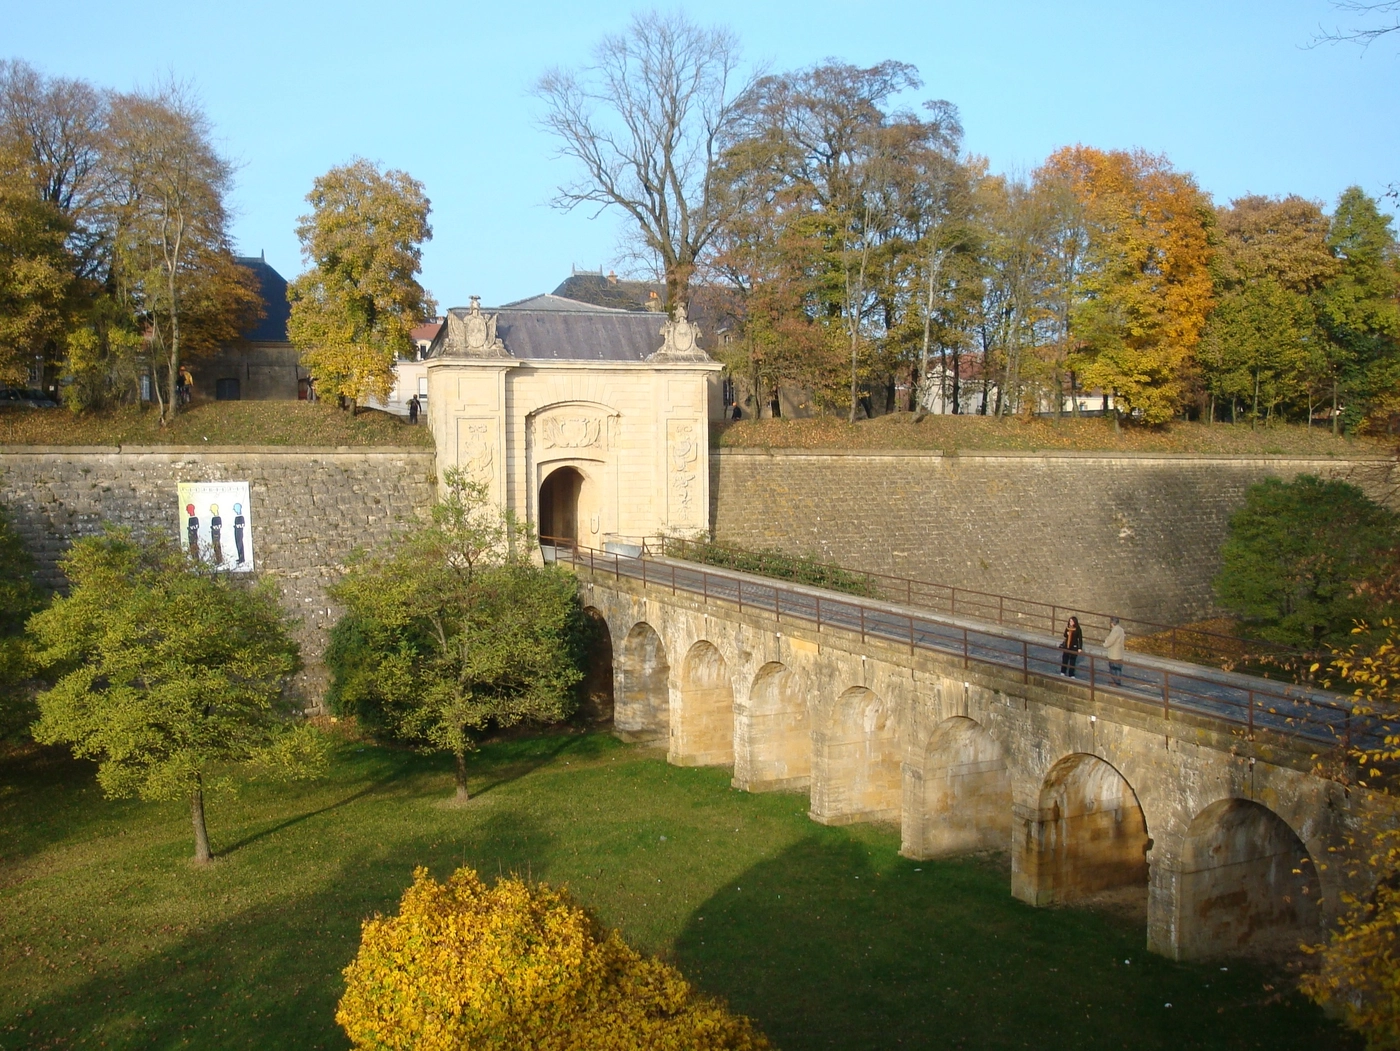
1247,884
643,708
773,733
705,724
960,800
855,762
1089,837
559,505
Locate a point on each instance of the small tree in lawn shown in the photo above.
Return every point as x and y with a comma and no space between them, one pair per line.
167,675
456,629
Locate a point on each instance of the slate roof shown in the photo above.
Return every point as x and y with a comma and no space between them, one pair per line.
553,328
272,286
619,292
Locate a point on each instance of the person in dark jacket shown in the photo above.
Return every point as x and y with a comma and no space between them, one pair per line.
413,409
1070,647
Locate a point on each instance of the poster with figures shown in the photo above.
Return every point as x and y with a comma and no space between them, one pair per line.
216,524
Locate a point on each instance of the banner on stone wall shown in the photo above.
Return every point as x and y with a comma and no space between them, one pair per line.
216,524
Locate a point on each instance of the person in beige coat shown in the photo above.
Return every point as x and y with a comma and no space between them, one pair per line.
1113,647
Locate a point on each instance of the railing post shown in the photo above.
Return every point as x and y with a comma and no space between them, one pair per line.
911,634
1251,711
862,624
1166,694
740,582
1093,679
705,586
644,572
908,591
1025,662
673,578
778,604
967,657
819,613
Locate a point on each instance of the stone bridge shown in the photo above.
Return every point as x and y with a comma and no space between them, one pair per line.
1216,824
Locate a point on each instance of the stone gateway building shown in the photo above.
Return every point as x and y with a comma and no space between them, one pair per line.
588,422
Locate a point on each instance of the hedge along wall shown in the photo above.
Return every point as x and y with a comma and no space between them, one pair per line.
1138,535
311,507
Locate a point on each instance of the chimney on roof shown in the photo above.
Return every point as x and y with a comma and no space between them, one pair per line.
262,254
612,277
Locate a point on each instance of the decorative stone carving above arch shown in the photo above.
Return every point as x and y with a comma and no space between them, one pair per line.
572,429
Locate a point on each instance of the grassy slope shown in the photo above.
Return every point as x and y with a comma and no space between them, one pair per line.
109,937
898,431
212,423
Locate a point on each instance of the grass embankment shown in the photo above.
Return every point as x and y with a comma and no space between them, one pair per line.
1087,434
109,937
212,423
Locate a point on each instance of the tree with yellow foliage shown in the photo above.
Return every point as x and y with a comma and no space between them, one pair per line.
1141,297
519,965
1360,964
353,310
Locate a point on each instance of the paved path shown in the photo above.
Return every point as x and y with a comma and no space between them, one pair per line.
1242,700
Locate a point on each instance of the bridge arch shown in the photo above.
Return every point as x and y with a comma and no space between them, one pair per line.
773,732
1088,836
642,711
856,761
958,798
598,679
704,722
1247,883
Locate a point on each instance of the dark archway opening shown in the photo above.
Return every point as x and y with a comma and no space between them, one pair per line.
559,506
598,680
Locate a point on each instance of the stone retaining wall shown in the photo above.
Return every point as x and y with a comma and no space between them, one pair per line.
310,508
1138,535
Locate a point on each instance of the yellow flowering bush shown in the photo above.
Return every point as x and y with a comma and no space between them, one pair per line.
518,965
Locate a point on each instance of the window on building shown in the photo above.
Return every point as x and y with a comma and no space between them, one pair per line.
422,387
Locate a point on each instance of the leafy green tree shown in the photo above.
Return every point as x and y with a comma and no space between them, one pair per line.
167,675
353,310
1360,308
1303,557
452,628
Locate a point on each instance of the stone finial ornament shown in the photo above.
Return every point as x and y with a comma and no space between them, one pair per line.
473,335
680,339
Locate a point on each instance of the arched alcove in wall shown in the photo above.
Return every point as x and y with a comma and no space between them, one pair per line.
773,732
642,708
964,790
856,771
704,724
1091,835
1247,884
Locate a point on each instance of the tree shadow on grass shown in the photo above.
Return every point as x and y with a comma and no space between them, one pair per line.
835,943
354,797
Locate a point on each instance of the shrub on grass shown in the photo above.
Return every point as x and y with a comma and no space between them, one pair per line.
464,966
799,569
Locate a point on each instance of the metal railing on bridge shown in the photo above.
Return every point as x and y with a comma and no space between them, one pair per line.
1239,700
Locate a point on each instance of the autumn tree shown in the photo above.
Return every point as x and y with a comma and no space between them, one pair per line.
1143,292
452,629
520,965
19,599
353,310
169,225
646,123
168,676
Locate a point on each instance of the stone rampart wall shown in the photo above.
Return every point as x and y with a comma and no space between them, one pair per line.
310,508
1138,535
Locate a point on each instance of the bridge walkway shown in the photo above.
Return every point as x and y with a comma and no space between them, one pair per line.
1243,701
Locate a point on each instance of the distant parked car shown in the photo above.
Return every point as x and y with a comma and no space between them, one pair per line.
35,399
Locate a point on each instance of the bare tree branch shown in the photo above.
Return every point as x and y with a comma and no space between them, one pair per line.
647,122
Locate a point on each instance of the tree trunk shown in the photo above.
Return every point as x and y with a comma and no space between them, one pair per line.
1334,403
202,856
462,795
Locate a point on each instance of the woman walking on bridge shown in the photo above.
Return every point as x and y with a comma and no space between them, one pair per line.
1070,647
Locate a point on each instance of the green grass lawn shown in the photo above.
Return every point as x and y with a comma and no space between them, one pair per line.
212,423
109,937
1087,434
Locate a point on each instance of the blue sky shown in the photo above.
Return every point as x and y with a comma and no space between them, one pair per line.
1227,89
